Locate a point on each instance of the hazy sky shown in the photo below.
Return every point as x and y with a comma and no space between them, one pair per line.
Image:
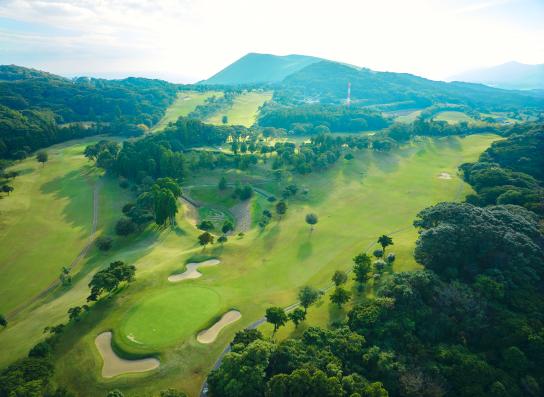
188,40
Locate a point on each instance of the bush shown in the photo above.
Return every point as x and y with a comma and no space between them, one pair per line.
124,227
378,253
123,183
42,349
206,225
104,243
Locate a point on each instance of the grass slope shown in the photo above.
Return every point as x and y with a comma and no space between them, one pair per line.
185,103
244,110
356,201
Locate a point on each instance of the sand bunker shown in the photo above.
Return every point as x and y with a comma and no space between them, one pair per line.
209,335
192,271
115,365
444,175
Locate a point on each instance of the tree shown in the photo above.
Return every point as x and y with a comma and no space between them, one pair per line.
308,296
296,316
340,296
3,321
378,253
276,316
311,219
104,243
108,280
222,240
204,239
125,226
361,268
385,241
222,185
206,225
74,313
339,277
7,189
115,393
227,227
281,208
225,119
65,277
42,157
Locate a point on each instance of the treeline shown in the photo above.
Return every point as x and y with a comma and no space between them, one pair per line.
469,324
315,119
511,171
213,105
38,109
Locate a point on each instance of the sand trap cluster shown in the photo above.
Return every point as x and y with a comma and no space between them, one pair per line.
210,334
115,365
192,271
444,175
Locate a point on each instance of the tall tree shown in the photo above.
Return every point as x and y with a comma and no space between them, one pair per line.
385,241
42,157
339,277
276,316
296,316
340,296
308,296
311,219
281,208
204,239
361,268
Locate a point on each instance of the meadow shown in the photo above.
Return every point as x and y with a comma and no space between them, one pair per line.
356,201
244,109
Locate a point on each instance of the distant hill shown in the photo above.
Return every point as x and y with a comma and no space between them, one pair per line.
326,82
260,68
511,75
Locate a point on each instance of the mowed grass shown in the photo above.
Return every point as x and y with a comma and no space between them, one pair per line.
244,109
356,201
52,210
173,314
184,104
44,223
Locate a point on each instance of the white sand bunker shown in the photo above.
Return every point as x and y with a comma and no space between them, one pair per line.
115,365
444,175
192,271
209,335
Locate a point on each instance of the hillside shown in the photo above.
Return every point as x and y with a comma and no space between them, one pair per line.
260,68
511,75
326,82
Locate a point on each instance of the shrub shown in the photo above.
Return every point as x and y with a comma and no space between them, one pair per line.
124,227
104,243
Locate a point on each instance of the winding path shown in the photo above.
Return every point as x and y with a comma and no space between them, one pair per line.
77,259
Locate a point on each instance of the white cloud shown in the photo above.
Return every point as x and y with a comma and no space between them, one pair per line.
192,39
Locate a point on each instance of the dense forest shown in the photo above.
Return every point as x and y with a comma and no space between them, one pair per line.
315,119
38,109
511,171
469,324
327,81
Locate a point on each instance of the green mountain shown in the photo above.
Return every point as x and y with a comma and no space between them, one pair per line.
511,75
260,68
326,82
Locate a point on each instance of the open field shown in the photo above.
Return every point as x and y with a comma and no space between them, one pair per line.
185,103
244,110
355,200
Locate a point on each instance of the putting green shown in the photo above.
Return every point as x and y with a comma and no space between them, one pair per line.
169,316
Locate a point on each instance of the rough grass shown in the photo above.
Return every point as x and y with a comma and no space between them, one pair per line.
356,201
244,109
454,117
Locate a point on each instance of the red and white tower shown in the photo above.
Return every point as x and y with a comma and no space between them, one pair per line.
348,100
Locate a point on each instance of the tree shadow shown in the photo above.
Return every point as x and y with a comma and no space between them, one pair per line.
304,250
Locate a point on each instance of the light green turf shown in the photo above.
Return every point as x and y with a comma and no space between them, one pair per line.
44,223
408,118
184,104
453,117
244,109
173,314
356,201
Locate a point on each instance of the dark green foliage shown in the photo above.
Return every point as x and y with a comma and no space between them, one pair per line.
318,119
339,277
41,350
311,219
38,109
115,393
510,172
108,280
124,227
42,157
276,316
27,377
3,321
361,268
227,227
281,208
327,82
308,296
296,316
104,243
385,241
206,225
222,185
205,238
172,393
340,296
213,105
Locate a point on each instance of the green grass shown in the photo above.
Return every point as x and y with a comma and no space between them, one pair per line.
244,110
217,216
184,104
356,201
409,117
172,314
454,117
